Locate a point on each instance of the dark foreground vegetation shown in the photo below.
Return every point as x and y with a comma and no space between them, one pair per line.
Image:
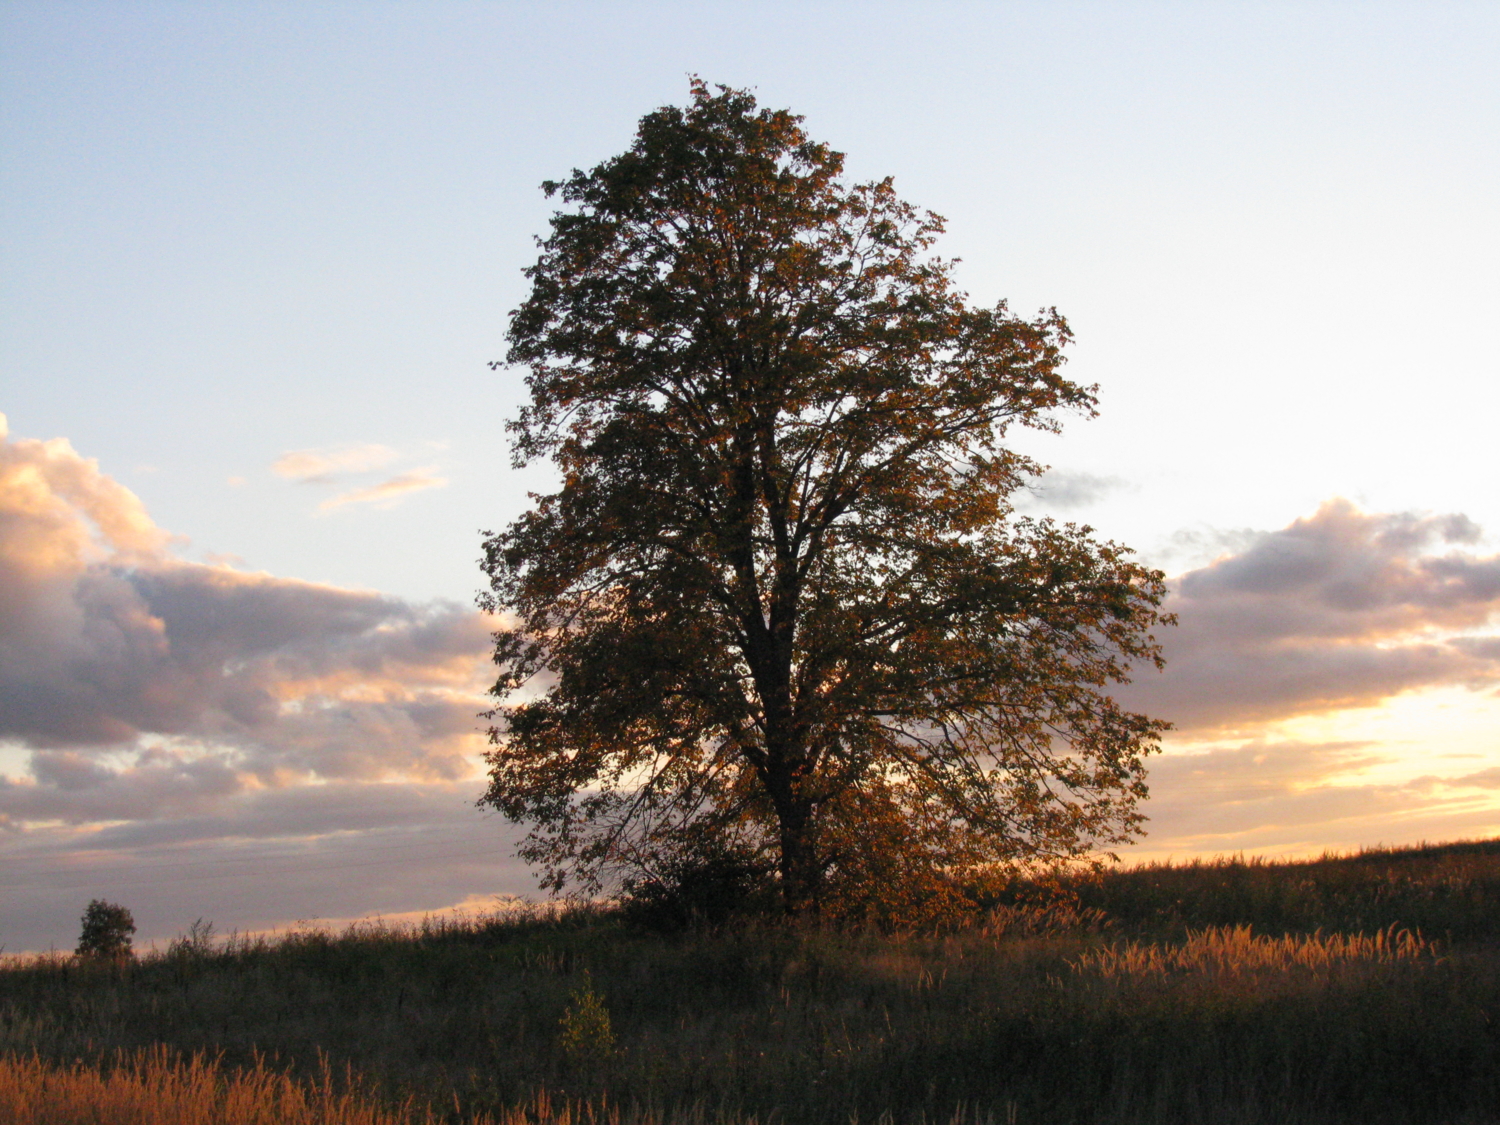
1357,989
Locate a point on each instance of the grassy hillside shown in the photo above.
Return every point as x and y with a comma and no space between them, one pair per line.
1361,989
1448,891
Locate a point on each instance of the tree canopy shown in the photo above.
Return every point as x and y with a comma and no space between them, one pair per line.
781,605
104,931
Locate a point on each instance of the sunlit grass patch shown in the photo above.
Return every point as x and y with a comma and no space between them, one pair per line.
154,1087
1232,950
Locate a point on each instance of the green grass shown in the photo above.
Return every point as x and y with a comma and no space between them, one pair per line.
1141,1002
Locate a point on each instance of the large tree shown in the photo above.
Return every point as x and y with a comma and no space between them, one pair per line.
781,601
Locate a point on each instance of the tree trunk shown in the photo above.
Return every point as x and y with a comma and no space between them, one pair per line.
801,873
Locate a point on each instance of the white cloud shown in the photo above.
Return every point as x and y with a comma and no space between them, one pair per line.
1065,488
387,492
320,466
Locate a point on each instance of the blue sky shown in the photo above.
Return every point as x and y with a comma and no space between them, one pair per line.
254,259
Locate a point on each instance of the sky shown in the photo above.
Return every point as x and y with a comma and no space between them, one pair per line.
255,258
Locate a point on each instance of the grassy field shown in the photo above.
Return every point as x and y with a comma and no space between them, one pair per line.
1360,989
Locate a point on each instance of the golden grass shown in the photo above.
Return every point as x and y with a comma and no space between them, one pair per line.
1232,950
152,1087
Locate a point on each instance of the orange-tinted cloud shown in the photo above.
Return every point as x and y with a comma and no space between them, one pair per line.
253,748
1305,797
387,491
327,466
320,466
1342,609
198,741
108,641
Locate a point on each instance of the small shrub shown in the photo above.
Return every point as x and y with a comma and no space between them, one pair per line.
105,933
194,945
587,1036
704,883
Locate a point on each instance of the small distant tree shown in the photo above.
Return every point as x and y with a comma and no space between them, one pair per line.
781,599
106,931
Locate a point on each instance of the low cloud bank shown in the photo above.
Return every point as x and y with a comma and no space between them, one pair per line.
110,643
1304,798
159,703
259,859
1342,609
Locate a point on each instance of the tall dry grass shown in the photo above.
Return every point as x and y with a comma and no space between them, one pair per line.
1126,1009
154,1087
1236,950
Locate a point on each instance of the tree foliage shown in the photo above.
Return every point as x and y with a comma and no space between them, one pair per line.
105,931
781,599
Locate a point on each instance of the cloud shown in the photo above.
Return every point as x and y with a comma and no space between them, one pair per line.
1063,488
1303,798
387,491
198,741
260,858
325,466
1342,609
320,466
71,787
107,641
